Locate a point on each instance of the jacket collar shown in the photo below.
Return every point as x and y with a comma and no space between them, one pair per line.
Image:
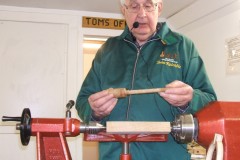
167,36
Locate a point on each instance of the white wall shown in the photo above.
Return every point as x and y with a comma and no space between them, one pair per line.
209,30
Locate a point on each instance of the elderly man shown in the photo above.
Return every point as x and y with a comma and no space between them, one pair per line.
146,55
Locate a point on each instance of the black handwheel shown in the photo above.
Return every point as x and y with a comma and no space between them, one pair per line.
24,126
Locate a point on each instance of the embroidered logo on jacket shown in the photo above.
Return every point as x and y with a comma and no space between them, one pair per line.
169,60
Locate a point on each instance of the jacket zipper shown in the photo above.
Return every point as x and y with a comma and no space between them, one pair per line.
134,71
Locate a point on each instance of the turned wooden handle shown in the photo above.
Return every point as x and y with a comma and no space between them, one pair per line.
122,92
144,91
118,92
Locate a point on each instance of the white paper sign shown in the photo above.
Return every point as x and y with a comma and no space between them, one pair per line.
233,55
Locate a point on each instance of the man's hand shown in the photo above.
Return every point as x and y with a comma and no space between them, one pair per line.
102,103
178,94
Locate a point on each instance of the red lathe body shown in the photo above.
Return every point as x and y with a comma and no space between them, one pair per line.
222,118
217,117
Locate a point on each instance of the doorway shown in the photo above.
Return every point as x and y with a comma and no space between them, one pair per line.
91,44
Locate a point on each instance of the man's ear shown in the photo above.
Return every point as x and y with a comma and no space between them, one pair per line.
160,5
123,10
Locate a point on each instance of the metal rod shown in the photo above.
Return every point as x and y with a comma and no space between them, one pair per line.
125,148
6,118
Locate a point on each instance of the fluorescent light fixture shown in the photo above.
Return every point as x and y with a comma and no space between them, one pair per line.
93,42
92,45
94,39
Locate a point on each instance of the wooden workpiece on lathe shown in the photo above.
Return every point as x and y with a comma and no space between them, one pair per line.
123,92
137,127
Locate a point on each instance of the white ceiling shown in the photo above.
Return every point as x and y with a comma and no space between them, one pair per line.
171,7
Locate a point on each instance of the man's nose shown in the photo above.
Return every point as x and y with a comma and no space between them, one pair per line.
142,11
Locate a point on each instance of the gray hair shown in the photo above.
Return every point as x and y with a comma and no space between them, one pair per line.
123,1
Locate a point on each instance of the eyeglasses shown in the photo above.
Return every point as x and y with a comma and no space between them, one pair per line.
135,7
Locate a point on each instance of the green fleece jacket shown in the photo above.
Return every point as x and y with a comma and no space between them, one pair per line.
121,63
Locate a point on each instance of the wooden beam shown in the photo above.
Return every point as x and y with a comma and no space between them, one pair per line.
138,127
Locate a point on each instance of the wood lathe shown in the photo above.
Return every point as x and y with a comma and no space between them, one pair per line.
222,118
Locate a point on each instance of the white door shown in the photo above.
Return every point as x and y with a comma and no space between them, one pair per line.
37,73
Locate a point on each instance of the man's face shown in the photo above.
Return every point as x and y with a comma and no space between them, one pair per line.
147,20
